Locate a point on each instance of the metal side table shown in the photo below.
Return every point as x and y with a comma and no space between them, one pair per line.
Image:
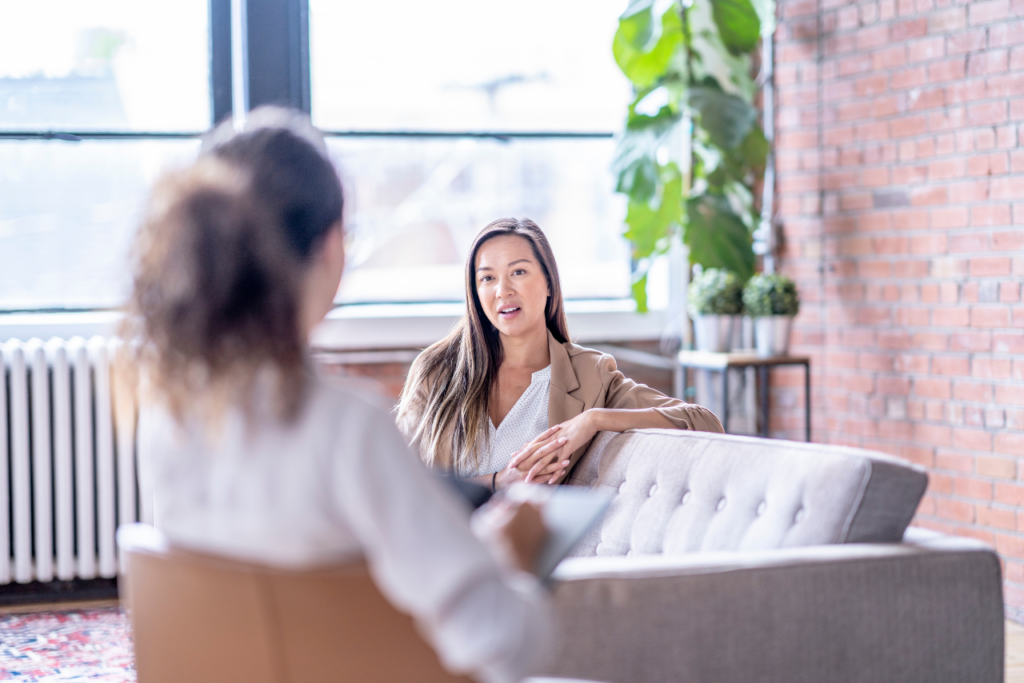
722,362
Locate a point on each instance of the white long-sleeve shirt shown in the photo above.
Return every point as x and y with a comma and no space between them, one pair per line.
338,483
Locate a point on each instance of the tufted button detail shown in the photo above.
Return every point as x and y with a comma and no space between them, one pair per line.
760,508
622,487
721,504
653,489
686,498
799,516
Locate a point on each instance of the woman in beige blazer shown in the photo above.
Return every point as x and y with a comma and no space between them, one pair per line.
474,402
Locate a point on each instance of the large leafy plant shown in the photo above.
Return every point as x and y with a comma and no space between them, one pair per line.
692,150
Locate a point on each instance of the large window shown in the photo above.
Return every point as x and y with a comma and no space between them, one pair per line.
432,79
135,72
441,116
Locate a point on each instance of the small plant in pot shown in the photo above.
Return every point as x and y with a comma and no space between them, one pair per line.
716,301
772,301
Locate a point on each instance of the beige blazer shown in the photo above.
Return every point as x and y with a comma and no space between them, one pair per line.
582,379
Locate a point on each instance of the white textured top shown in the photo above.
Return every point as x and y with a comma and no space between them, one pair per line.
336,484
527,420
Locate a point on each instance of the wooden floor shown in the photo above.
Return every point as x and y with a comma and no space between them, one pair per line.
1014,632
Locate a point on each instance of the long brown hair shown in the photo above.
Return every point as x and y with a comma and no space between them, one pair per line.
456,373
218,266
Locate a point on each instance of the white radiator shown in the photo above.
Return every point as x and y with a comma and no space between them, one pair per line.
67,463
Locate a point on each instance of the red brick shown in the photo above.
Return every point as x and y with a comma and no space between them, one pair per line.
1012,444
987,114
1008,342
947,70
990,266
972,391
987,12
912,28
990,316
947,20
957,511
999,518
972,440
969,487
990,368
1010,395
951,365
1010,494
997,468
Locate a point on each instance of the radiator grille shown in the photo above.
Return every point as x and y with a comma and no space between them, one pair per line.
68,475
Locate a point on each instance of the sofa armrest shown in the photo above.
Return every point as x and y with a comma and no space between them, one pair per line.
914,612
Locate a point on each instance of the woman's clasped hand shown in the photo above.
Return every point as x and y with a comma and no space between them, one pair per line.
545,459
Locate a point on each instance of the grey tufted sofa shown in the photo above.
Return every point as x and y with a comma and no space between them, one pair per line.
734,559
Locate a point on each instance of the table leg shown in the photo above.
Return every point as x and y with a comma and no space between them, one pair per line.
725,400
807,400
679,382
762,372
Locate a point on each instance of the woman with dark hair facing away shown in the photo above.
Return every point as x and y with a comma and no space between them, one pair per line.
249,453
506,397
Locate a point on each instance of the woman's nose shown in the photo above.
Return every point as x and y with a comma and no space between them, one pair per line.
505,288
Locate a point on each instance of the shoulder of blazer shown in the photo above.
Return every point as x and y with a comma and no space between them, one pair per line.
592,367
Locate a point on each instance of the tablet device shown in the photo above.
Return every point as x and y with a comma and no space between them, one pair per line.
569,512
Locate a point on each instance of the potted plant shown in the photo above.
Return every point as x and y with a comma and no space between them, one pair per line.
772,301
716,299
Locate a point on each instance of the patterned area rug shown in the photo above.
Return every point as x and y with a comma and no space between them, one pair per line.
91,645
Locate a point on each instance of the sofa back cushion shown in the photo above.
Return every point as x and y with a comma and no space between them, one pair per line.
680,492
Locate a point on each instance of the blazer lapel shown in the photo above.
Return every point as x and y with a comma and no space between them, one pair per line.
562,406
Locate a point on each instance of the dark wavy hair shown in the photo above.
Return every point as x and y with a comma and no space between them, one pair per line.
456,374
218,265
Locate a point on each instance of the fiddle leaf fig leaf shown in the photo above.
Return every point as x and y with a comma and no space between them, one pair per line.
726,118
635,166
639,290
754,149
642,62
738,24
650,225
717,237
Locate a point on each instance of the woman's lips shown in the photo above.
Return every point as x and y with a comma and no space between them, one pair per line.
509,312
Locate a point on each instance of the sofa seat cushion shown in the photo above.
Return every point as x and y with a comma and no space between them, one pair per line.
679,492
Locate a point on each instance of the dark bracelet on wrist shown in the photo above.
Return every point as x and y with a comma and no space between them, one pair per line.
494,483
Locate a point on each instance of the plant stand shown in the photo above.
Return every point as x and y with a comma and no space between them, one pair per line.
723,362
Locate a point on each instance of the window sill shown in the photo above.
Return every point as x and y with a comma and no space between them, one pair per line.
374,326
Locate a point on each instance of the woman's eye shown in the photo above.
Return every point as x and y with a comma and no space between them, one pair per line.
519,271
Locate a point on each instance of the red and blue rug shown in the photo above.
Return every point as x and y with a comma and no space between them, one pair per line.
92,645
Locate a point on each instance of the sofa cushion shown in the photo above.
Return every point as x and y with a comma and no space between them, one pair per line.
680,492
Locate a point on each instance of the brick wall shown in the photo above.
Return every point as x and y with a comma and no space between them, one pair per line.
901,183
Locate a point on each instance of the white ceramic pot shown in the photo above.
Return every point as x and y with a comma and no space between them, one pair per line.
713,332
771,335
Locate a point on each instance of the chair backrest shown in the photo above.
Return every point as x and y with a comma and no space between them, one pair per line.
206,619
679,492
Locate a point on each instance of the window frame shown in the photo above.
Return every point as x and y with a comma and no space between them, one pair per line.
278,72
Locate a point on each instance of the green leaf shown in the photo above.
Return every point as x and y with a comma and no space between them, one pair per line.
639,289
737,23
639,180
642,62
717,237
726,118
755,149
634,166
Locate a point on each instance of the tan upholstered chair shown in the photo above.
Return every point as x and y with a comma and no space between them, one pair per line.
202,619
